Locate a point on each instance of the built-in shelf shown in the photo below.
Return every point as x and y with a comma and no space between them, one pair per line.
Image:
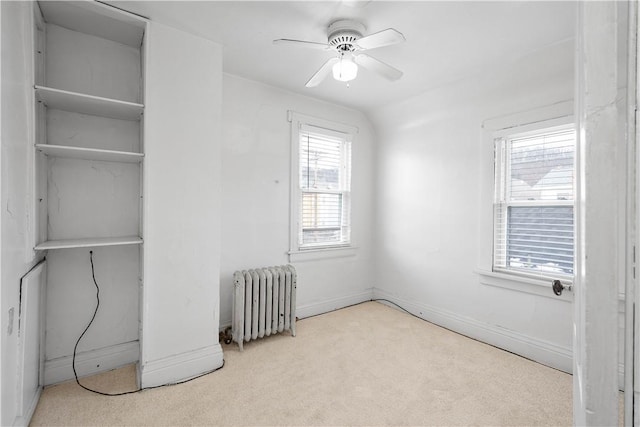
90,17
89,153
89,243
88,104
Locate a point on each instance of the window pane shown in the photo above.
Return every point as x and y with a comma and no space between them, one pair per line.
320,162
540,239
541,167
319,237
322,218
321,210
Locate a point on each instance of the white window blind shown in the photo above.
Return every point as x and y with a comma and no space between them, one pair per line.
324,183
534,203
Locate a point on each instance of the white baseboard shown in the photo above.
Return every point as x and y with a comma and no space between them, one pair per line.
331,304
91,362
541,351
181,367
321,307
25,419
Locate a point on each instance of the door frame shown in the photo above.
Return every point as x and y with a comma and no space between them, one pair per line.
601,212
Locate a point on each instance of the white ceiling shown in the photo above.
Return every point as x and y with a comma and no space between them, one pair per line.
446,41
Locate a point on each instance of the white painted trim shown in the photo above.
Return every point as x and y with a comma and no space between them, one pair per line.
325,306
630,213
25,419
322,253
530,117
181,367
32,302
331,304
294,116
557,124
91,362
557,114
298,120
538,350
524,284
598,208
32,212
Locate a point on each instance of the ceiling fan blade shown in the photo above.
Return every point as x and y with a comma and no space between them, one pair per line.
322,73
381,38
302,43
385,70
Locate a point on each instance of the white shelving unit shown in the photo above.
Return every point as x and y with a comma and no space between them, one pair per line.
89,150
70,93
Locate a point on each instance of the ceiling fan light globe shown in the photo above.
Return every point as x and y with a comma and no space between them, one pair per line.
345,70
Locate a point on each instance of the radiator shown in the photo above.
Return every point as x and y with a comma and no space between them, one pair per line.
264,303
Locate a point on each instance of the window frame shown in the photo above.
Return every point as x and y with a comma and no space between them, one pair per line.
297,251
502,141
557,114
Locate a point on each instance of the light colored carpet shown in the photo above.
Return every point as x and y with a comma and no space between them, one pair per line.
364,365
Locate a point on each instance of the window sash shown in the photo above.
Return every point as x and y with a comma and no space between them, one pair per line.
324,223
539,242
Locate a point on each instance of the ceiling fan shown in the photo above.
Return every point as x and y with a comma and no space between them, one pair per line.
346,40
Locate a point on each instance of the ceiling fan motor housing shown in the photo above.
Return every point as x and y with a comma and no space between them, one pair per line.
344,33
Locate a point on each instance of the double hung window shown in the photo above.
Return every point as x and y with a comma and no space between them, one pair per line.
322,193
534,202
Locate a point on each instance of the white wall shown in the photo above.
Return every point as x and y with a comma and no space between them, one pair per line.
112,340
255,196
182,207
84,63
16,213
432,164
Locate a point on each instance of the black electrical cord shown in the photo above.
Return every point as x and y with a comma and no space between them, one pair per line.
400,307
451,330
75,349
364,302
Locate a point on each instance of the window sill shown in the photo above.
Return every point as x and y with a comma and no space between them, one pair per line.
322,253
529,285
